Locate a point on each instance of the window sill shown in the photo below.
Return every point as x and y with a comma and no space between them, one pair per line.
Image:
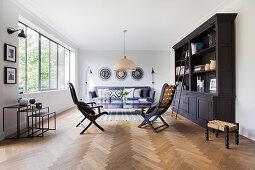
43,91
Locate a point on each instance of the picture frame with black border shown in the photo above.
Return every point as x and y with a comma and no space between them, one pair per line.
10,75
213,85
10,53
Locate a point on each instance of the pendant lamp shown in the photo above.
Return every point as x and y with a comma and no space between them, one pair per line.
124,64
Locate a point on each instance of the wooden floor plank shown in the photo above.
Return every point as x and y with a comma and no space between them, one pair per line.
125,146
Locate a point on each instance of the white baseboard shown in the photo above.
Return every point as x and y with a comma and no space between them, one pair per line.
2,136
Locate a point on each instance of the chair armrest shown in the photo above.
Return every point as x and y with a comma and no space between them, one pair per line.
94,107
92,103
152,95
98,107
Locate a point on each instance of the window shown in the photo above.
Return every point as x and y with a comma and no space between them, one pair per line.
43,63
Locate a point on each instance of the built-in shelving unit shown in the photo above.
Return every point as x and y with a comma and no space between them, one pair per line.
217,38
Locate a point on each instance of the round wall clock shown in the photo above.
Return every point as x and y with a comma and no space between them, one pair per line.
121,75
138,74
105,73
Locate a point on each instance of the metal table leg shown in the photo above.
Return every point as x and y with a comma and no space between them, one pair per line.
3,119
18,123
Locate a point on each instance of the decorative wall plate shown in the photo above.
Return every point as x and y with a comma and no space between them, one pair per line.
138,74
105,73
121,75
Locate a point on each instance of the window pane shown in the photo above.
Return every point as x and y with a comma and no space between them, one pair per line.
22,61
53,65
67,66
61,68
32,60
45,52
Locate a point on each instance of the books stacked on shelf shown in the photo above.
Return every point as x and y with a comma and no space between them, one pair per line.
187,71
196,47
181,69
199,68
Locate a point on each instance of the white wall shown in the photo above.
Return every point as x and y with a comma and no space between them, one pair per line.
245,59
57,100
159,60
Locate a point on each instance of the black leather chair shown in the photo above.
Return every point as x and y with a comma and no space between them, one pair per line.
159,108
86,110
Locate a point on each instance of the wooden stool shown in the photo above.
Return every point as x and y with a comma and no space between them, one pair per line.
225,127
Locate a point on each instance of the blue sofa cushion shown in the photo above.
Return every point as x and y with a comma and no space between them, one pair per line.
93,94
145,93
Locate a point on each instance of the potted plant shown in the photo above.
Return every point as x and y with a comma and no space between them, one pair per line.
124,94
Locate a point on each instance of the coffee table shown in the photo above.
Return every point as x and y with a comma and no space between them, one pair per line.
124,105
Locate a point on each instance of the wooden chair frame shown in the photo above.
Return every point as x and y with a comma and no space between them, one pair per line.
83,110
158,109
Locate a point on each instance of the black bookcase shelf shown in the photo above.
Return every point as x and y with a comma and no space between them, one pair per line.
207,50
199,72
210,104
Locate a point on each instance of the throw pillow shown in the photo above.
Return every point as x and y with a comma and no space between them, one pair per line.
87,108
102,93
114,93
131,92
145,93
137,93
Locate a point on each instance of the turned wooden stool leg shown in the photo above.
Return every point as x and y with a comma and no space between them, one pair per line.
217,133
226,129
206,131
237,134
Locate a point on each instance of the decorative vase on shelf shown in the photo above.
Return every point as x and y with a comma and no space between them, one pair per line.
32,101
124,98
23,101
207,67
212,64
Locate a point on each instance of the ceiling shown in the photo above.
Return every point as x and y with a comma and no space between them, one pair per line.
98,24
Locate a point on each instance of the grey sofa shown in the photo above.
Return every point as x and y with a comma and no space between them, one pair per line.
145,93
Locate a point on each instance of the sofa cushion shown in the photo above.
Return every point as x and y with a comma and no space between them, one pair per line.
102,92
145,93
93,94
114,93
137,92
131,92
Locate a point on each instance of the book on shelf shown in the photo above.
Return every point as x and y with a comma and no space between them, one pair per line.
196,47
181,69
199,68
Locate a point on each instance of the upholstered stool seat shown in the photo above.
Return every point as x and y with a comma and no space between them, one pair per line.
226,127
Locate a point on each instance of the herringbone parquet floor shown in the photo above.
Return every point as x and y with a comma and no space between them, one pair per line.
124,146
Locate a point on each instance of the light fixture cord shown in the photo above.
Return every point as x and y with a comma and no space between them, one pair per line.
125,42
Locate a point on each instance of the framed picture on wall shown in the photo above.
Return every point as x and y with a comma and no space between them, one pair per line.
10,75
9,53
213,85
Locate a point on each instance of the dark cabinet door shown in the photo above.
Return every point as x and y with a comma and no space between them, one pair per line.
192,110
204,109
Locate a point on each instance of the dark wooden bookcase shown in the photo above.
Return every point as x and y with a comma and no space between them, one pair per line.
209,105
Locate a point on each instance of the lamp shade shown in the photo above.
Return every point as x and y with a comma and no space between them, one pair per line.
124,65
22,34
